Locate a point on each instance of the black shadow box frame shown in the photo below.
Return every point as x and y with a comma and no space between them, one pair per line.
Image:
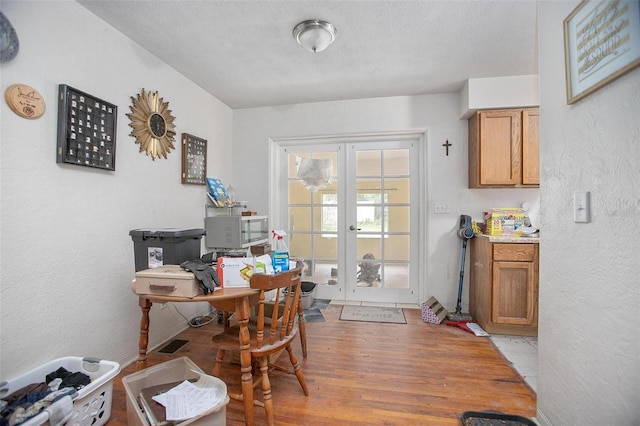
194,160
86,129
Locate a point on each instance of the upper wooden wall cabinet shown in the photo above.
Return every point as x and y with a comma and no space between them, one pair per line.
504,148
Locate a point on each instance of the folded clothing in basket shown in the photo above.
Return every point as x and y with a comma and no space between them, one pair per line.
60,411
91,405
30,400
24,410
66,378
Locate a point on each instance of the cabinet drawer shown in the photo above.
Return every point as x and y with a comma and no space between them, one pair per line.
514,252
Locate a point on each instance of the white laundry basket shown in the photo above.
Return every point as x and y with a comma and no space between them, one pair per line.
91,406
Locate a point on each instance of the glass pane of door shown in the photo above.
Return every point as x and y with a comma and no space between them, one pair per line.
380,235
314,216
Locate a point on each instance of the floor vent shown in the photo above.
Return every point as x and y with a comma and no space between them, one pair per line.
172,347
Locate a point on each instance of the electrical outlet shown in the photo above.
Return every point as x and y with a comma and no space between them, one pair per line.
581,207
441,208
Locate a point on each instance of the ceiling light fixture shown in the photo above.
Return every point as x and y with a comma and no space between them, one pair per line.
314,35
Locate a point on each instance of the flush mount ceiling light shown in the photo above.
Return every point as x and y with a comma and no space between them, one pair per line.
314,35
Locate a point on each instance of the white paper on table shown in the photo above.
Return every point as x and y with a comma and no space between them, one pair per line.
188,400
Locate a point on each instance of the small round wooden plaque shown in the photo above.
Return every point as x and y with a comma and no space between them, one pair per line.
25,101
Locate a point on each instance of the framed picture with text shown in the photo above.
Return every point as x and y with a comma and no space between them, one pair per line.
601,43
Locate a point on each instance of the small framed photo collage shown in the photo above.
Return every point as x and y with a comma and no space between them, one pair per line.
194,160
86,129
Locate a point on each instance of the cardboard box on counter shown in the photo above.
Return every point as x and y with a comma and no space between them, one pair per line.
504,221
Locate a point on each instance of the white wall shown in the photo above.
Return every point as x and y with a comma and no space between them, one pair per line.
67,259
447,175
589,339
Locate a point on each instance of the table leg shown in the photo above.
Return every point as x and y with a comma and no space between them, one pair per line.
242,315
145,306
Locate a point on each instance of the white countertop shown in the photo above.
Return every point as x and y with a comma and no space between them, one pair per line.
511,239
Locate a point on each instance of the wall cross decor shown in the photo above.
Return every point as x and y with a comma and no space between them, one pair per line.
446,146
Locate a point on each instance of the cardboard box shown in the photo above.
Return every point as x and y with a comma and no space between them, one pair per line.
167,280
260,249
432,311
235,271
178,369
504,221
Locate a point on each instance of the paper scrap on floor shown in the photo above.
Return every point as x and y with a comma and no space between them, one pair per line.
477,330
188,400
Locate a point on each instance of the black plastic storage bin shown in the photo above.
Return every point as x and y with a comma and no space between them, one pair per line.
169,246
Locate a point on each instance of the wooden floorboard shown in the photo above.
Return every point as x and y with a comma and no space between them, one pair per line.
370,374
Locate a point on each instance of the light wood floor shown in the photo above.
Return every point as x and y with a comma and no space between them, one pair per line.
371,374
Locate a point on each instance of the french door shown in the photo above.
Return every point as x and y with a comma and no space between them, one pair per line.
350,209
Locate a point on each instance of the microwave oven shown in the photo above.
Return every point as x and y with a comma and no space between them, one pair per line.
236,232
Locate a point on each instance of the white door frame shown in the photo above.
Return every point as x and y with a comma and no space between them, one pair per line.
277,188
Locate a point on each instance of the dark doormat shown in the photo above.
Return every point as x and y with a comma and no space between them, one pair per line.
320,303
314,313
172,347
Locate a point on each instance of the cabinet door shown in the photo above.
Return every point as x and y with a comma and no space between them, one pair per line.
514,293
500,147
530,147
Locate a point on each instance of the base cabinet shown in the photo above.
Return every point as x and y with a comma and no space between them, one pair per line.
503,287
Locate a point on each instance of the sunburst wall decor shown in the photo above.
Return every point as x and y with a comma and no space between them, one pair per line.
152,124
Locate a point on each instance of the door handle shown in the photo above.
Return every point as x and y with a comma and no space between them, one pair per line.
353,228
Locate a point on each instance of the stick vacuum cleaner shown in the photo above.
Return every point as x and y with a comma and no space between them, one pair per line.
465,232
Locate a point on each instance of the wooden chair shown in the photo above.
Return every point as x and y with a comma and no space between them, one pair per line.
267,336
302,326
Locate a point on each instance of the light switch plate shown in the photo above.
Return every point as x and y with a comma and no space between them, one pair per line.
441,208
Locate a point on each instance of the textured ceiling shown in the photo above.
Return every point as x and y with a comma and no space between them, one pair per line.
243,52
